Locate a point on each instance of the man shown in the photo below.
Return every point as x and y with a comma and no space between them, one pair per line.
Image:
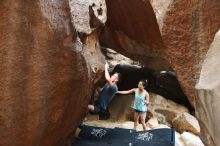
107,93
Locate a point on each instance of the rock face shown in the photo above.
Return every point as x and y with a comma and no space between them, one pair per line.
42,62
186,122
120,107
50,59
115,58
165,110
208,86
187,139
187,29
82,11
132,30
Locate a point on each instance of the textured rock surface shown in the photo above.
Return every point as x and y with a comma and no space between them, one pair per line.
160,8
43,58
46,73
115,58
208,86
186,122
153,123
187,31
80,13
165,110
187,139
120,107
134,33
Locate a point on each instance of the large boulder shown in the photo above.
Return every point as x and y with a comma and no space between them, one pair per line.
132,30
188,29
47,72
208,86
152,123
187,139
165,110
121,107
186,122
115,58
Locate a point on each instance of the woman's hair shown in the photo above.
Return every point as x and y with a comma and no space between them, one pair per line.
144,83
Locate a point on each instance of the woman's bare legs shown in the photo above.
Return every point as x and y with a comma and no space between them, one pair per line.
143,118
136,119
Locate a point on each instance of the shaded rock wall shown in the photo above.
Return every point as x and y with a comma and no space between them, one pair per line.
187,32
188,28
49,56
132,30
159,82
80,14
46,72
208,86
165,110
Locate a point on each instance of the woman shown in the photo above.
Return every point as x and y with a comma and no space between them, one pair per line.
140,103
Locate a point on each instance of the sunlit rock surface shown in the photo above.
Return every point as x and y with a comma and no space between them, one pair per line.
208,86
47,72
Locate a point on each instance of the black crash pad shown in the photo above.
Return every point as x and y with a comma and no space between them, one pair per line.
98,136
95,133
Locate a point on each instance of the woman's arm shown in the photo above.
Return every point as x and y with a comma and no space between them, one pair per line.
147,98
127,91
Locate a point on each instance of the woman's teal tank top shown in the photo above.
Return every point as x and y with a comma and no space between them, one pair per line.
139,103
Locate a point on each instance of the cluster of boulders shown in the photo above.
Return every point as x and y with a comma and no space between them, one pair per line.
50,60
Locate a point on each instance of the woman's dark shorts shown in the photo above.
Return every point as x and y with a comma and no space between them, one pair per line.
140,112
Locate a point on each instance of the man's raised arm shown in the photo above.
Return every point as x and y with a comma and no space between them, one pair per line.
107,76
